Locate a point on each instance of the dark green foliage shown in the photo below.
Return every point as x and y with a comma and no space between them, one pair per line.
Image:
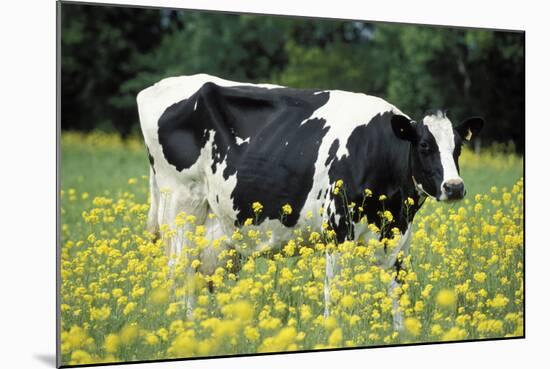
110,53
98,46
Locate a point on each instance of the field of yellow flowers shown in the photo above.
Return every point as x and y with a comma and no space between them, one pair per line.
120,301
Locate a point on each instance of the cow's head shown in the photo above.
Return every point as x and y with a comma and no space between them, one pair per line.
435,151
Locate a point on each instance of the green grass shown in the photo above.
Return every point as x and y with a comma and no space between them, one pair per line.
98,170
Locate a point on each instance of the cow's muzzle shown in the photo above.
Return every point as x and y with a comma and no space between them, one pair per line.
453,189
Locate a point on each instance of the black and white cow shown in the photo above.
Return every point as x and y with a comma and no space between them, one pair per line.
219,146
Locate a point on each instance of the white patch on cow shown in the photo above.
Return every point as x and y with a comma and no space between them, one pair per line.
397,312
318,92
195,106
442,130
363,233
240,141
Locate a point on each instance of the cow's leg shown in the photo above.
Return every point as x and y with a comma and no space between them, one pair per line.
176,202
209,255
331,270
168,209
397,312
395,284
152,218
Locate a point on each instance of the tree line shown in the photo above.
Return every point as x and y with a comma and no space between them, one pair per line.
108,54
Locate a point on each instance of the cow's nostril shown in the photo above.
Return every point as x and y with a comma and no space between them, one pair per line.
454,190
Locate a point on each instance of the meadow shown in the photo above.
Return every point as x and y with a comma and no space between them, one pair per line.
120,301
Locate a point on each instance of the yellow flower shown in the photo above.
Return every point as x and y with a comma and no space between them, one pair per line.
112,342
236,236
195,264
368,193
347,301
80,357
129,308
413,326
251,333
287,209
305,312
151,339
257,207
184,345
446,298
242,310
436,330
76,337
480,277
159,296
281,341
129,333
382,197
499,301
454,334
100,313
335,338
269,323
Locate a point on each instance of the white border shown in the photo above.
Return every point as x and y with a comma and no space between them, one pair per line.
27,206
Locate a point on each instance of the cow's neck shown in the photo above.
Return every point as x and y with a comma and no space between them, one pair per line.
395,182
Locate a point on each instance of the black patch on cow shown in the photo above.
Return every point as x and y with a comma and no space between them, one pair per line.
332,152
379,161
181,135
275,166
217,199
151,159
274,172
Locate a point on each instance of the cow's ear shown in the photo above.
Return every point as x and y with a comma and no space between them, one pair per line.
404,128
470,128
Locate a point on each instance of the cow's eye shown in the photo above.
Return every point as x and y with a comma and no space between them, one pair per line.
424,146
